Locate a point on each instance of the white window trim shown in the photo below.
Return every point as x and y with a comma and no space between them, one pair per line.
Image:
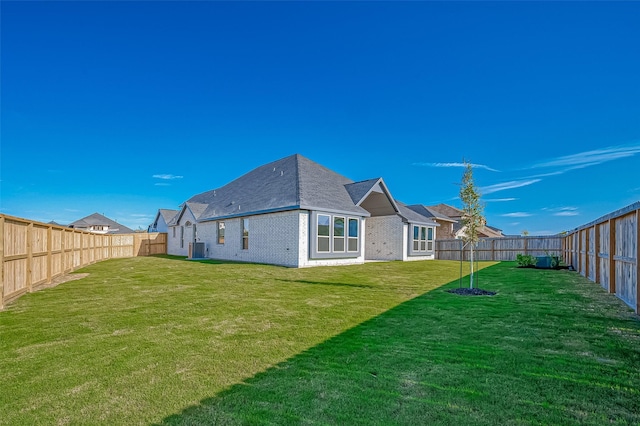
428,243
314,237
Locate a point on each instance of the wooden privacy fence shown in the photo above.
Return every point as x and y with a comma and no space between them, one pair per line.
505,248
606,252
32,254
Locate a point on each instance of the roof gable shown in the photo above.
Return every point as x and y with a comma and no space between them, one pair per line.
168,214
374,196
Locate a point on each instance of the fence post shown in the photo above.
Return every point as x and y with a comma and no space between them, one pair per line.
49,253
493,249
587,242
612,254
596,245
1,262
29,256
637,261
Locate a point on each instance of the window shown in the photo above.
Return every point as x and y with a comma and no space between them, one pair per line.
338,234
353,234
334,236
174,231
245,233
324,233
422,239
182,237
220,232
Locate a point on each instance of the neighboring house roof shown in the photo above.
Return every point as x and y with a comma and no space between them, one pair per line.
98,219
455,214
293,182
414,217
430,213
493,228
447,210
166,214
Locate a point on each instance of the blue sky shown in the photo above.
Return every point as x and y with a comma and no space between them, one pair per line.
122,108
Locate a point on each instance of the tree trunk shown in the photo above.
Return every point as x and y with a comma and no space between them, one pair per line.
471,258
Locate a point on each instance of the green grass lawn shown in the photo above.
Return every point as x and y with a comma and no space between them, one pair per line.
168,341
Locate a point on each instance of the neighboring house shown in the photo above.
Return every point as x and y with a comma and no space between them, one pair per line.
297,213
163,217
100,224
458,228
446,229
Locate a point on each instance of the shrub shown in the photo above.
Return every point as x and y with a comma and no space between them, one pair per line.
526,260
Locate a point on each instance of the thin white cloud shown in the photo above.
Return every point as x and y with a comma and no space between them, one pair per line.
507,185
162,184
567,213
517,214
560,209
167,176
498,200
592,158
476,166
142,215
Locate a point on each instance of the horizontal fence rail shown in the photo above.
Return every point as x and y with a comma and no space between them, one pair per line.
32,254
606,252
499,249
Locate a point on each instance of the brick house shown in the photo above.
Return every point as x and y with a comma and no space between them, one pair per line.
294,212
450,220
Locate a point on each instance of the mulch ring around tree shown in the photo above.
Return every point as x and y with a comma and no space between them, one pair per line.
471,292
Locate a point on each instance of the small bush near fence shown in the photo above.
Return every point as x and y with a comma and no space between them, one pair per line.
526,260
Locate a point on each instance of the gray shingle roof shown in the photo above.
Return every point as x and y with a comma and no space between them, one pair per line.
358,190
429,212
168,214
293,182
447,210
98,219
413,216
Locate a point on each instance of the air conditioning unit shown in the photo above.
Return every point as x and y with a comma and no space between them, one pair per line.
196,251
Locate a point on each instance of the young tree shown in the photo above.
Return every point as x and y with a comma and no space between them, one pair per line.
472,217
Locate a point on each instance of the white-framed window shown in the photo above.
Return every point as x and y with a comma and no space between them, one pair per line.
220,232
244,225
338,234
354,232
422,240
335,235
182,237
174,231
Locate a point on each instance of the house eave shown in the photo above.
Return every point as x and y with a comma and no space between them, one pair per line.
281,209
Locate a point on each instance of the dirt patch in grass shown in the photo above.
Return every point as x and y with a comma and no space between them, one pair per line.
471,292
63,279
